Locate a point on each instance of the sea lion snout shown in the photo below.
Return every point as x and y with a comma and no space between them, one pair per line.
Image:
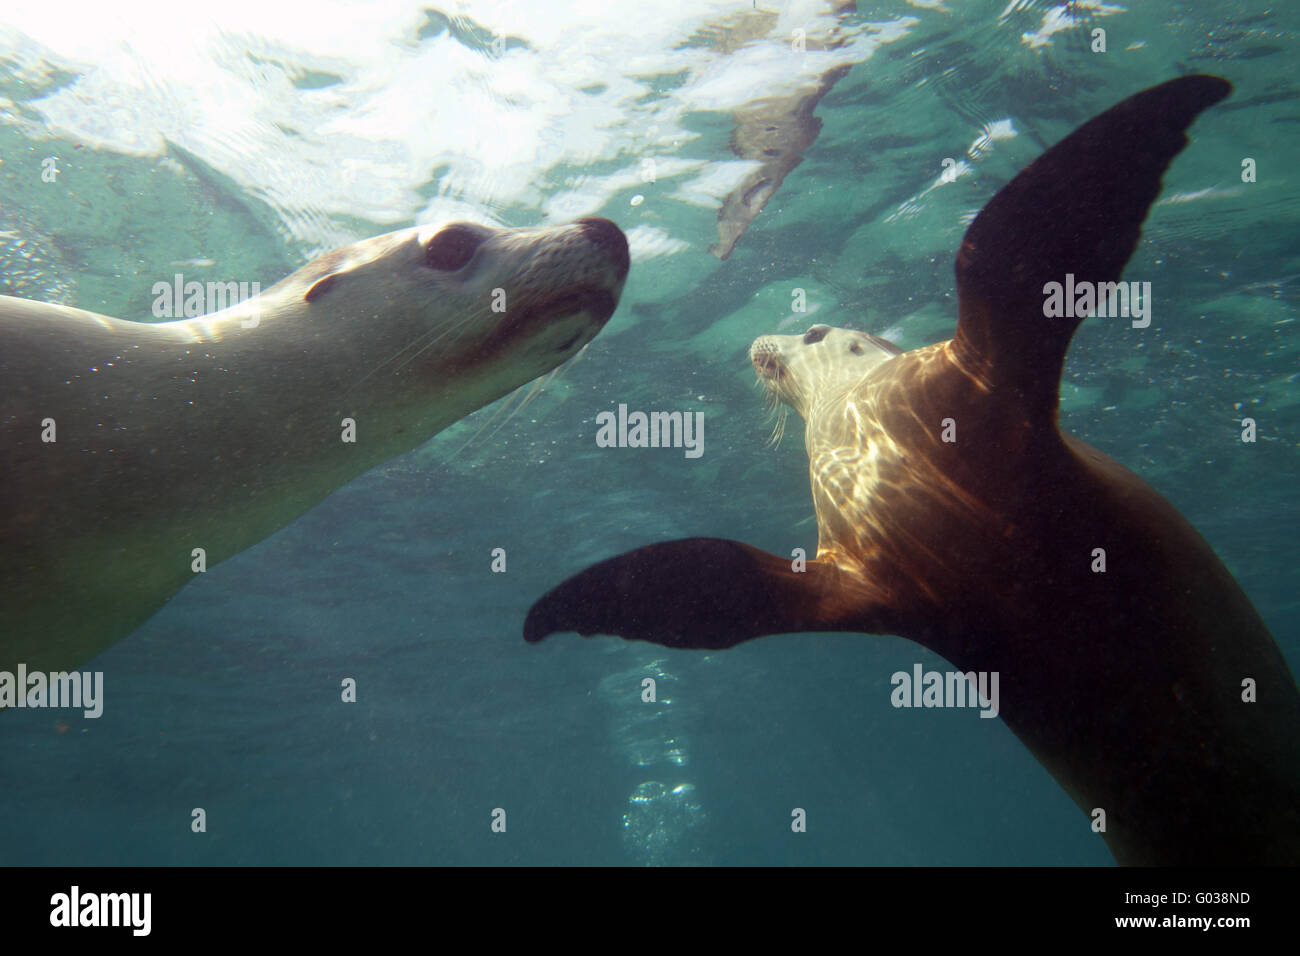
609,238
567,279
821,360
765,355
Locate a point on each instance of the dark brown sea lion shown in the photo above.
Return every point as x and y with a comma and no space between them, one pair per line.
1127,683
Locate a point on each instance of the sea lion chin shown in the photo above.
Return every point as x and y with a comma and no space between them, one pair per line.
953,510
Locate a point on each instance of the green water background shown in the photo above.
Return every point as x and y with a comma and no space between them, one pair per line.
228,698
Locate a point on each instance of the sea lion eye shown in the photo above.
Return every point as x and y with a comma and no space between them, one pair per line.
451,248
855,348
815,334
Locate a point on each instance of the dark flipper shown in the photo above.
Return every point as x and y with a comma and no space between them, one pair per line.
706,593
1077,209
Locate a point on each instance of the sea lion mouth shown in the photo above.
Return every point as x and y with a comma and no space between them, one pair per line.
597,302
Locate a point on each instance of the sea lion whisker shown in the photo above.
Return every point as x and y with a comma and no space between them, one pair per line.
504,409
457,327
398,354
434,337
779,431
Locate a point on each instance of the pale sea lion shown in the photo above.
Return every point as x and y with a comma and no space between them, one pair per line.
1126,685
214,432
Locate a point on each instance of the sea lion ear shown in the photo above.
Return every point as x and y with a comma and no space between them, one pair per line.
1076,209
704,593
321,286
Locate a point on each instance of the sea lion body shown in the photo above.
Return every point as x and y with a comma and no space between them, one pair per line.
214,432
954,511
984,549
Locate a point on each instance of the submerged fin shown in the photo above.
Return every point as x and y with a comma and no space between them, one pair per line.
1076,209
706,593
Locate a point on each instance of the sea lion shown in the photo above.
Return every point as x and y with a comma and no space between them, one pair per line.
214,432
1127,683
773,130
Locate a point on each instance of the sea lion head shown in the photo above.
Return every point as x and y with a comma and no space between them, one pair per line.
824,361
485,308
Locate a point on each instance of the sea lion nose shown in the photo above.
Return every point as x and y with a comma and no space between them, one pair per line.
609,238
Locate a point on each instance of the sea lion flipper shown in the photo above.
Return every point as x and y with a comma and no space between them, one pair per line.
1077,209
704,593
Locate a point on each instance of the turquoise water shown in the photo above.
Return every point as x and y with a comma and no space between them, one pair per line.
228,698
